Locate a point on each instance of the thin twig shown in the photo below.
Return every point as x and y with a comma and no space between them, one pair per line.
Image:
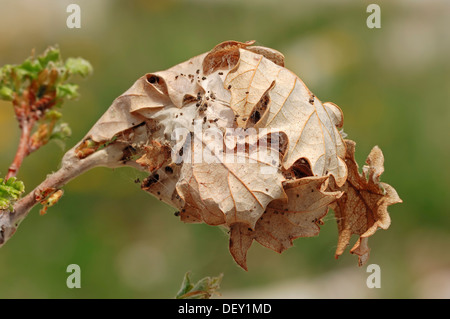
71,167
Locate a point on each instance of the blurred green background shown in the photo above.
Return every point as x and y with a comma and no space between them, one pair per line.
391,83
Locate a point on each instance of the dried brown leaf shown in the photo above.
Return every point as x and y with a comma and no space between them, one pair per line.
285,220
223,56
363,207
311,127
234,188
300,216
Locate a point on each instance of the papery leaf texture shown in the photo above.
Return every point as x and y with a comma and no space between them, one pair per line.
232,138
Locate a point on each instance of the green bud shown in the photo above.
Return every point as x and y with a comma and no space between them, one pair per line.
29,68
67,91
5,73
10,191
50,55
18,186
203,289
53,115
61,132
186,286
4,202
6,93
78,66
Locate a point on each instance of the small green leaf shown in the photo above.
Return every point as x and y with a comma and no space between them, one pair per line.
186,286
5,73
29,68
10,191
61,132
18,186
53,115
203,289
67,91
4,203
78,66
6,93
50,55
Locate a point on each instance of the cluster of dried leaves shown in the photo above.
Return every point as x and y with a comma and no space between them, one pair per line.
239,85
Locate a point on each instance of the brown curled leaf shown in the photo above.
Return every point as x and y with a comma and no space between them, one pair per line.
241,239
270,54
223,56
233,189
363,207
311,127
285,220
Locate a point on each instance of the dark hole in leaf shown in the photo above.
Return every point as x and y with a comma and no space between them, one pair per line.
261,107
152,79
255,117
168,169
187,98
152,179
128,153
301,168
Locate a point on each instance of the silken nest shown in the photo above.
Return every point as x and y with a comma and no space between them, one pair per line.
232,138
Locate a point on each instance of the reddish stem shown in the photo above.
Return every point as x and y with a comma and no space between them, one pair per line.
23,149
